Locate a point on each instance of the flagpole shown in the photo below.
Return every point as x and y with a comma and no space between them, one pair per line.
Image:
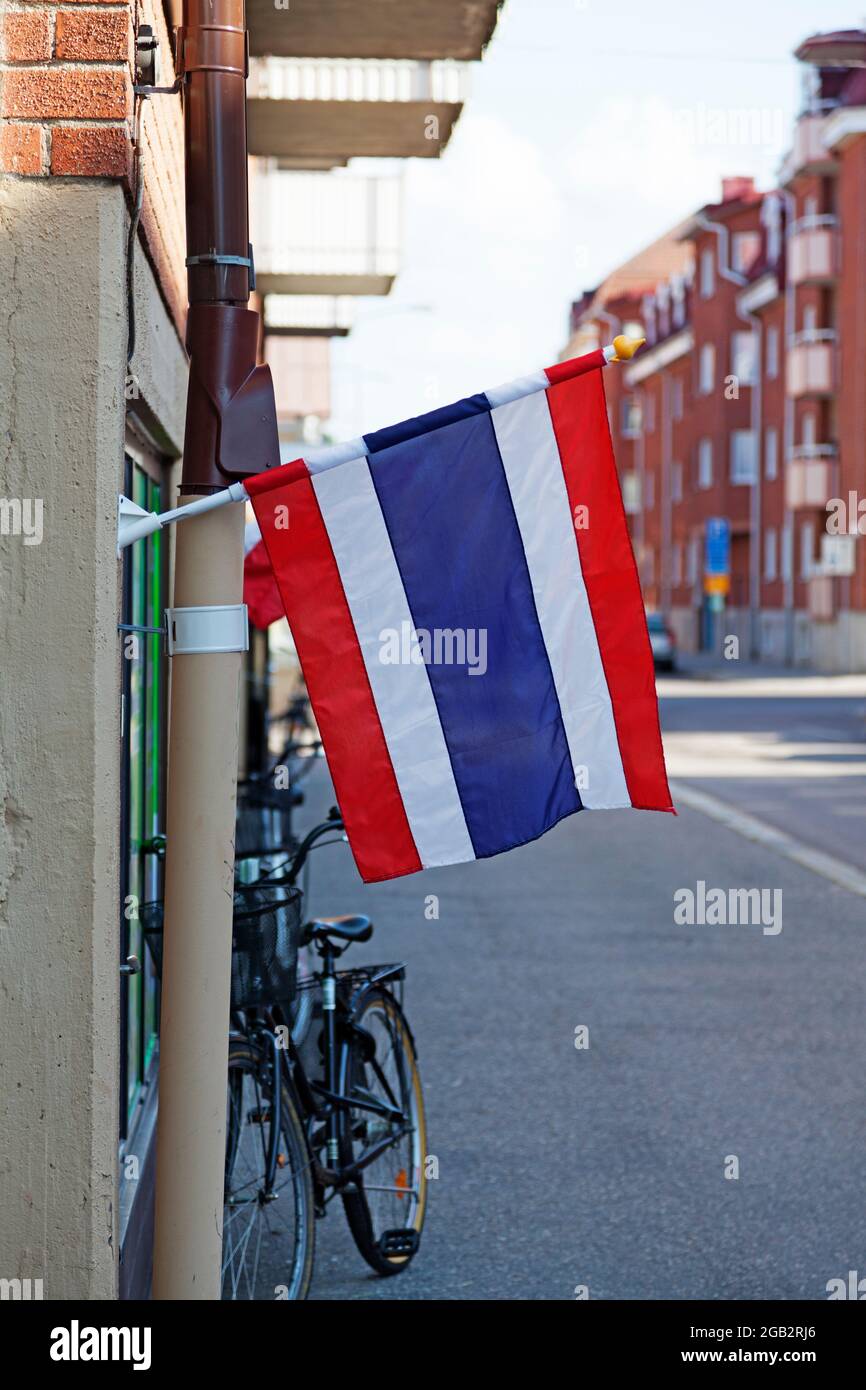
134,527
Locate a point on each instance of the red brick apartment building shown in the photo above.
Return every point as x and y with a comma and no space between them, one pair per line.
747,407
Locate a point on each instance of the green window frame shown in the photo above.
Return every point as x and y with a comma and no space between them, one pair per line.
143,681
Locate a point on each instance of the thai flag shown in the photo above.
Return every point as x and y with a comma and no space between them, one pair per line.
466,608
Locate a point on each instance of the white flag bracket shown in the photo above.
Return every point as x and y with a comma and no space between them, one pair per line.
133,522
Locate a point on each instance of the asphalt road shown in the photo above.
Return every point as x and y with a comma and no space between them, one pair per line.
605,1167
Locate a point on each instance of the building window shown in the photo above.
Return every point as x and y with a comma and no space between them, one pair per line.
707,369
705,463
676,482
649,413
770,555
708,273
692,572
771,455
631,418
744,357
744,457
677,395
772,353
807,548
143,675
809,434
787,551
631,493
745,248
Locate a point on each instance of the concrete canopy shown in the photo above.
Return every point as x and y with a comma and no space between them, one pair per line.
321,130
323,283
376,29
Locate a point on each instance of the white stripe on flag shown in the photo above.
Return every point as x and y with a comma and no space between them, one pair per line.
404,699
527,443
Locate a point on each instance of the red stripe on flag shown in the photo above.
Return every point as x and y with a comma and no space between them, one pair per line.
275,477
579,413
360,764
575,366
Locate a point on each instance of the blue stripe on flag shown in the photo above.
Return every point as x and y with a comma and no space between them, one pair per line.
423,424
452,526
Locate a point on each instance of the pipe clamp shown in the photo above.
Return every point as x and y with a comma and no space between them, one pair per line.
208,628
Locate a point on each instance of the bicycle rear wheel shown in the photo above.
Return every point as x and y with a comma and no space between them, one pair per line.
268,1240
386,1209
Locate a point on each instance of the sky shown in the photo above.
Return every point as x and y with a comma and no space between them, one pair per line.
591,127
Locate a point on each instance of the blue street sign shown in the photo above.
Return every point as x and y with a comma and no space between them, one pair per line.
717,558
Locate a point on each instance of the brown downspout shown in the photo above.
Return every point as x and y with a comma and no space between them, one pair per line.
231,431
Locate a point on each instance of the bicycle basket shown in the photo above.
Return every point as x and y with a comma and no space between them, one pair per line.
266,929
264,819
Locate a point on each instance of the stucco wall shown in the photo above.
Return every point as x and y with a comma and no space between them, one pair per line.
62,411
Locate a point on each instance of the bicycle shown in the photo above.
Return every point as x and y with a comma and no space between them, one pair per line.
346,1119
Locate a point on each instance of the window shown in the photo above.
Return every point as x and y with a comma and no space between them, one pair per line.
677,395
708,273
770,555
809,433
631,493
787,551
705,463
631,418
772,353
807,548
649,413
744,357
744,457
745,249
692,572
771,455
143,677
676,482
810,318
707,369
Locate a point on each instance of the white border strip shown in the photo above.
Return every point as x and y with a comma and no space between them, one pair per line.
530,457
402,692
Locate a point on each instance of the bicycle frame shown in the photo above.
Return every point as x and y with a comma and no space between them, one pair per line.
323,1102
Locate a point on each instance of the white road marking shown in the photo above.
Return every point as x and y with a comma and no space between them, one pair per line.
836,870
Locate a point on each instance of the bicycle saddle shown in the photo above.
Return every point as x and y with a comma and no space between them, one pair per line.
352,928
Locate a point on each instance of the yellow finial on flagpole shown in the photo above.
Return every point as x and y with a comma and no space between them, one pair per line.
626,347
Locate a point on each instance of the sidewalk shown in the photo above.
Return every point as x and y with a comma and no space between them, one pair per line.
706,667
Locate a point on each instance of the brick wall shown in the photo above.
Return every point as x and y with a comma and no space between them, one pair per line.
67,111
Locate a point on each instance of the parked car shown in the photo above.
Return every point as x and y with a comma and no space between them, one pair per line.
662,641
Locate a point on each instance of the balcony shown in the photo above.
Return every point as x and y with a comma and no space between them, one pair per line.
374,29
325,234
813,250
809,476
811,360
317,113
308,316
809,154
